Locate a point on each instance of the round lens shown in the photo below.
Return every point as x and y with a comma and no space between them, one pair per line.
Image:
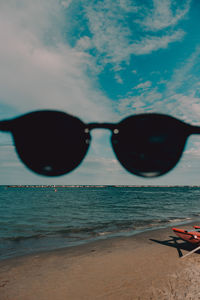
149,145
50,143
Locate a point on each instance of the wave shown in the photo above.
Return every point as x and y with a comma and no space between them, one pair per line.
95,230
176,220
21,237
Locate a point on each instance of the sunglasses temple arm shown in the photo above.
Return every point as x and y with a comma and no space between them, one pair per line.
5,125
195,130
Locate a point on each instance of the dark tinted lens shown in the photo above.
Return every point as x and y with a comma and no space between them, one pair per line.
149,145
50,143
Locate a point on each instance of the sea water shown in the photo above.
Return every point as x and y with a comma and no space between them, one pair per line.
36,219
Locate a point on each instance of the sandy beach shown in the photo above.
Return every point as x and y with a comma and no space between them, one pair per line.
144,266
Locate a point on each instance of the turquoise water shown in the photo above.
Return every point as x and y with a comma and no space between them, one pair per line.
36,219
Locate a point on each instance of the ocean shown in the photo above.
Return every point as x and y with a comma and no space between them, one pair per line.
35,219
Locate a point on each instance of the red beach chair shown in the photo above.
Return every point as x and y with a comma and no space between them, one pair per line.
192,237
196,227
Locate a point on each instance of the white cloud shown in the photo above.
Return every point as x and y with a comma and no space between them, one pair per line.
110,35
182,75
38,68
134,71
196,106
185,107
182,92
114,38
67,3
162,15
149,100
143,85
180,95
153,43
84,43
128,5
118,78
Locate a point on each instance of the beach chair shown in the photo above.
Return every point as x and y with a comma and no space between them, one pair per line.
192,237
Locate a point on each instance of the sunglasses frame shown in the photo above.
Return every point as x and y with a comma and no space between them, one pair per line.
186,130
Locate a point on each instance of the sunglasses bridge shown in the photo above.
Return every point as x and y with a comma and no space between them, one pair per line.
109,126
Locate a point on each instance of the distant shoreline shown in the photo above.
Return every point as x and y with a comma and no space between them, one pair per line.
99,186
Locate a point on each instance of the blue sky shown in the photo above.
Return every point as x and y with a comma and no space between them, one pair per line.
101,61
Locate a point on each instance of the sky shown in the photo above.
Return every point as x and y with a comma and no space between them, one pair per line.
100,61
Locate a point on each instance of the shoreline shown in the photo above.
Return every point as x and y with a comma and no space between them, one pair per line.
103,237
143,266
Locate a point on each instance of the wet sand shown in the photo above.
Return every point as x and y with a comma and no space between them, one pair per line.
144,266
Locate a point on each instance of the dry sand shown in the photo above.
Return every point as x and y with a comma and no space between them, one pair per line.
144,266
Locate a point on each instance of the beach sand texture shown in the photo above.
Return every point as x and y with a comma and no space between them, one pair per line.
144,266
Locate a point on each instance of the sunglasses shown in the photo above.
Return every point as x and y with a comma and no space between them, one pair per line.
53,143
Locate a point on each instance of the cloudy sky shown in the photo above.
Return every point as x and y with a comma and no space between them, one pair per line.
100,61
